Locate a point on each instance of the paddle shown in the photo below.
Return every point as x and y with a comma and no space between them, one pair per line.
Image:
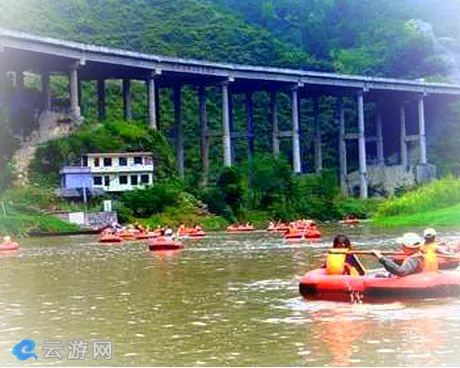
364,252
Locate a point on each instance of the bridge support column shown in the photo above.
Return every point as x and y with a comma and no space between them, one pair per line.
295,132
227,143
274,113
19,76
179,130
152,104
317,137
403,143
101,108
157,105
342,148
74,100
46,90
250,125
362,148
204,133
379,135
80,96
127,100
421,131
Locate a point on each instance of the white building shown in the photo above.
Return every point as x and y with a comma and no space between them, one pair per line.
119,172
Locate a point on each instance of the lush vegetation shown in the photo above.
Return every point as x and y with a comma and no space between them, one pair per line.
109,137
434,204
449,216
26,210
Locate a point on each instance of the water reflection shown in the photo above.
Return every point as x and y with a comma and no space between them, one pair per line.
339,332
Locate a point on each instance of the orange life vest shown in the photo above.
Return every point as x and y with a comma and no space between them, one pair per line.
336,265
430,259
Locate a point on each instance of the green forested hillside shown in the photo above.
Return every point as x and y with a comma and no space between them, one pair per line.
185,28
373,37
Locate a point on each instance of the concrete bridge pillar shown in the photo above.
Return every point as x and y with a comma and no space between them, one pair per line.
127,100
297,165
152,104
157,105
403,143
317,137
379,136
274,113
204,132
101,107
46,92
362,148
342,147
227,143
250,124
421,131
19,76
179,130
74,98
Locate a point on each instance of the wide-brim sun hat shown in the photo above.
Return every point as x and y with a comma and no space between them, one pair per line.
411,240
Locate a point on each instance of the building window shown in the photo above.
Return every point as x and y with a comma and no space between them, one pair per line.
134,180
137,160
107,161
97,162
123,179
145,179
85,161
122,161
106,181
97,180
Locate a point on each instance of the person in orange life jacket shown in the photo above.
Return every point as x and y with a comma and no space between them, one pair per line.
432,243
342,263
418,258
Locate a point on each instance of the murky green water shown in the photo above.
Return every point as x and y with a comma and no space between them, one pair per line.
224,300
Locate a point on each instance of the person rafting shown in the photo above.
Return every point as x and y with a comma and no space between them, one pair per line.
418,258
432,242
341,263
7,240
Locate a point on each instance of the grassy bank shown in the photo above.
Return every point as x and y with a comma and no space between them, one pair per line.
436,204
20,225
449,216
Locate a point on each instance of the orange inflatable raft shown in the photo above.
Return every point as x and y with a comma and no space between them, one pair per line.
126,235
240,229
317,284
9,246
163,243
110,238
142,236
302,235
197,234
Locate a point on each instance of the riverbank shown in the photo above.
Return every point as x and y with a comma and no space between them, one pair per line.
449,216
436,204
22,225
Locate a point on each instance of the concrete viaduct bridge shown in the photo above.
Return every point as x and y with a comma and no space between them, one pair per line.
21,52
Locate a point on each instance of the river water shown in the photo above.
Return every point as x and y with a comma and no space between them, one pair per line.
221,301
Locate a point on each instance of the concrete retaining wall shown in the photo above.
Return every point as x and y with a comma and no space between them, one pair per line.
94,220
388,177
